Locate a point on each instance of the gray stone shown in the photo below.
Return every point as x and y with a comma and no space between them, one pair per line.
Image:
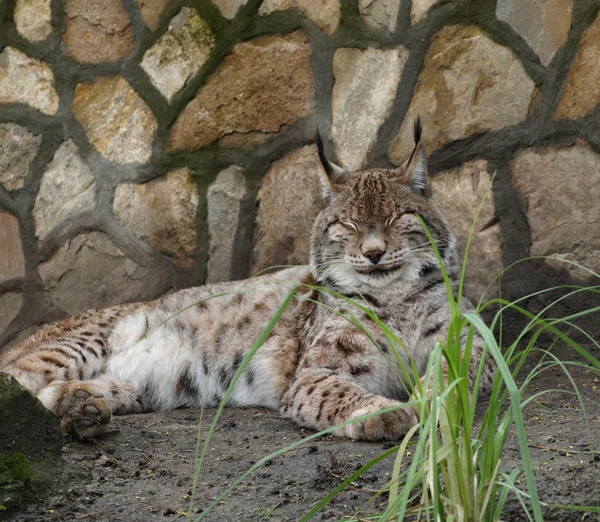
459,192
34,78
325,13
380,14
12,261
66,190
224,200
89,271
289,200
116,120
10,305
229,8
179,53
562,204
18,147
419,8
468,84
364,90
32,18
544,24
162,212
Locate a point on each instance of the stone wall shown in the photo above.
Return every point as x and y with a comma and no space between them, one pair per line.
147,145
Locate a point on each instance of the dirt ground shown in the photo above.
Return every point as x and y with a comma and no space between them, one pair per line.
145,472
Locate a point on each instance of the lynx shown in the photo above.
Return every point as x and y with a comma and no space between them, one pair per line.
316,367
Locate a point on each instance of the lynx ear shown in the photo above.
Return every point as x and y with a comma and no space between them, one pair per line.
416,169
330,170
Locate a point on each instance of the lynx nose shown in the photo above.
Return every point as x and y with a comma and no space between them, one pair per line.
374,255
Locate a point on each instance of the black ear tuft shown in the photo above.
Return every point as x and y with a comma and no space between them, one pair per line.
321,151
417,130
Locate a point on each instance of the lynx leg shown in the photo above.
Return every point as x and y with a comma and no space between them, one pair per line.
86,407
321,398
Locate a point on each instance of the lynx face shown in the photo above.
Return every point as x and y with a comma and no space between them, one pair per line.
369,233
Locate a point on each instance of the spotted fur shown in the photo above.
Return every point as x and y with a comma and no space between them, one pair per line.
316,367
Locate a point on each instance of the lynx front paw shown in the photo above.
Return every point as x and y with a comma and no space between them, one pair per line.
391,425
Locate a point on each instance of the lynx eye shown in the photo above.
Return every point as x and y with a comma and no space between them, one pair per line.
390,220
351,224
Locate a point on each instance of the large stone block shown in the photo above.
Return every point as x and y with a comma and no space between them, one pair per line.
459,192
34,79
152,10
162,212
419,8
32,18
10,305
224,201
581,93
289,200
179,53
365,87
66,190
469,84
229,8
380,14
544,24
325,13
12,261
97,31
561,193
89,271
18,147
263,84
116,120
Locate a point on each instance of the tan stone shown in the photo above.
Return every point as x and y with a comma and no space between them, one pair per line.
459,193
97,31
32,18
544,24
380,14
162,212
229,8
324,13
179,53
116,120
224,201
469,84
581,93
419,8
363,93
66,190
289,200
10,305
34,79
152,10
12,260
263,84
561,194
89,271
18,147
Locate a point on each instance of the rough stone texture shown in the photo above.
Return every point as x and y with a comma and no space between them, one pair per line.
459,192
469,84
12,261
419,8
289,201
152,10
229,8
325,13
34,78
67,189
162,212
561,194
581,93
365,86
380,14
18,147
116,120
179,53
263,84
89,271
224,200
32,18
10,304
544,24
97,31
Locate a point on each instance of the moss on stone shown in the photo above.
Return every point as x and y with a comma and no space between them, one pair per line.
16,467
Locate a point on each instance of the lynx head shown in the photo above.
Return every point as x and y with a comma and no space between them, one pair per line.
368,235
